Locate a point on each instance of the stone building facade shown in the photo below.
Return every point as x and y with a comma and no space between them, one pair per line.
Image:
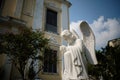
50,16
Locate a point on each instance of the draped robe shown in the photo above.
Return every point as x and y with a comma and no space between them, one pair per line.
74,67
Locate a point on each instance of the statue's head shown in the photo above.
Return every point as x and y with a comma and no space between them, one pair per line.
68,36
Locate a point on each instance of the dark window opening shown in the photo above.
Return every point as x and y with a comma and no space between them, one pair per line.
50,61
1,5
51,21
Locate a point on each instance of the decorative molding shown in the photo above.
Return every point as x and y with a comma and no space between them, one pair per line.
53,6
28,7
53,40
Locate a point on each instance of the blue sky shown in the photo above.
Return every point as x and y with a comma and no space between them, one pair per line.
102,15
91,9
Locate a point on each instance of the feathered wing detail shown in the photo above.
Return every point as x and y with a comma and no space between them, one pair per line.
74,33
89,42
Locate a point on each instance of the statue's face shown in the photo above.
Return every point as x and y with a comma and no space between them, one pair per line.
66,35
65,38
69,37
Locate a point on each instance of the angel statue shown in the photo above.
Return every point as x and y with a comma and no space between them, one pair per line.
78,52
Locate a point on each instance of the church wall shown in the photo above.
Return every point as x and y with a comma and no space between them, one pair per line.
33,12
27,13
64,20
9,8
38,14
55,38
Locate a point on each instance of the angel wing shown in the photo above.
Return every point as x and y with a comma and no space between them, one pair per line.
89,42
74,33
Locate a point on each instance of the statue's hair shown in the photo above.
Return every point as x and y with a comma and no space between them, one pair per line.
65,33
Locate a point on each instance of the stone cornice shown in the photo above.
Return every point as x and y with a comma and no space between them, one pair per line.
65,2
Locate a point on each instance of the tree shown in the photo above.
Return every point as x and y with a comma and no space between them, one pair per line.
96,70
22,47
108,64
113,56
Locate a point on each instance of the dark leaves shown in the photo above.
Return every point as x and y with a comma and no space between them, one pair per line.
21,47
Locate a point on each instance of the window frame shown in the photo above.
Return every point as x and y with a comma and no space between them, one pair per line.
54,26
48,63
55,8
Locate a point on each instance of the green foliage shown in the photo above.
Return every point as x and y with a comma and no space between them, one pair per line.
23,46
108,64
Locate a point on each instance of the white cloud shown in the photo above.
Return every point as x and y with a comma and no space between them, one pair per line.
104,30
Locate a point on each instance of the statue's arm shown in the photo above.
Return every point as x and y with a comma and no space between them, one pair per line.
63,49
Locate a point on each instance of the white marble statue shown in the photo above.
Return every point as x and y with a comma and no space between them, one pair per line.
78,52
